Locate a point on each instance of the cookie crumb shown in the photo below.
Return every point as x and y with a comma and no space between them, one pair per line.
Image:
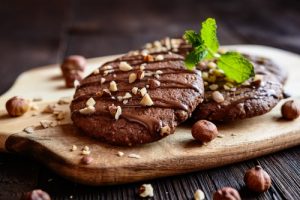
35,99
132,155
146,190
220,136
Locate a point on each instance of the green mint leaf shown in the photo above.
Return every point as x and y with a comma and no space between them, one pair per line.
236,66
209,36
192,37
195,56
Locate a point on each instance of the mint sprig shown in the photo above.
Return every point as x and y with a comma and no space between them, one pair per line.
205,46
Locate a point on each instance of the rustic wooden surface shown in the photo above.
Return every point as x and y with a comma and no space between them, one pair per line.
176,154
35,33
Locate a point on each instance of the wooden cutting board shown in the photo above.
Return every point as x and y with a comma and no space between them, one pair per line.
176,154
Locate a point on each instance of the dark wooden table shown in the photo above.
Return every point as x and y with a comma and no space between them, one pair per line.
35,33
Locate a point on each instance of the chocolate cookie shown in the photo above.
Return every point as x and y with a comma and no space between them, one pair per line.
179,46
227,101
137,99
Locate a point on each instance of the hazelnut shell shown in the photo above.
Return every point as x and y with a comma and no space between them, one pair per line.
17,106
290,110
257,179
204,131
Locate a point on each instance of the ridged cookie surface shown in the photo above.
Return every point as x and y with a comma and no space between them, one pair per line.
137,99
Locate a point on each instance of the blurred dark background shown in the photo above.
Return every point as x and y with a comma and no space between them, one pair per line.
35,33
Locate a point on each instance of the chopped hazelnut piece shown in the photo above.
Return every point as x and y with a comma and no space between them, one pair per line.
142,67
145,52
159,72
120,153
87,110
125,101
148,58
106,72
76,83
96,71
146,100
132,155
74,147
146,190
113,86
64,100
213,87
118,113
212,65
124,66
48,123
34,107
60,115
199,195
132,77
143,91
134,90
90,102
49,108
107,67
140,75
29,129
159,57
165,130
127,95
85,151
102,80
217,97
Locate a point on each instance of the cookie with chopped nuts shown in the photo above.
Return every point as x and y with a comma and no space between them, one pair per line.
227,101
138,98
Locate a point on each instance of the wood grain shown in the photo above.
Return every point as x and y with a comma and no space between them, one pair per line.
176,154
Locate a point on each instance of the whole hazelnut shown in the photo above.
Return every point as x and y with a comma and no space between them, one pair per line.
36,195
73,62
227,193
290,110
17,106
204,131
257,179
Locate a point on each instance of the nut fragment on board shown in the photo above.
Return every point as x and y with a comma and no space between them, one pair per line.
74,147
146,190
48,123
120,154
64,100
133,155
199,195
29,130
86,150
